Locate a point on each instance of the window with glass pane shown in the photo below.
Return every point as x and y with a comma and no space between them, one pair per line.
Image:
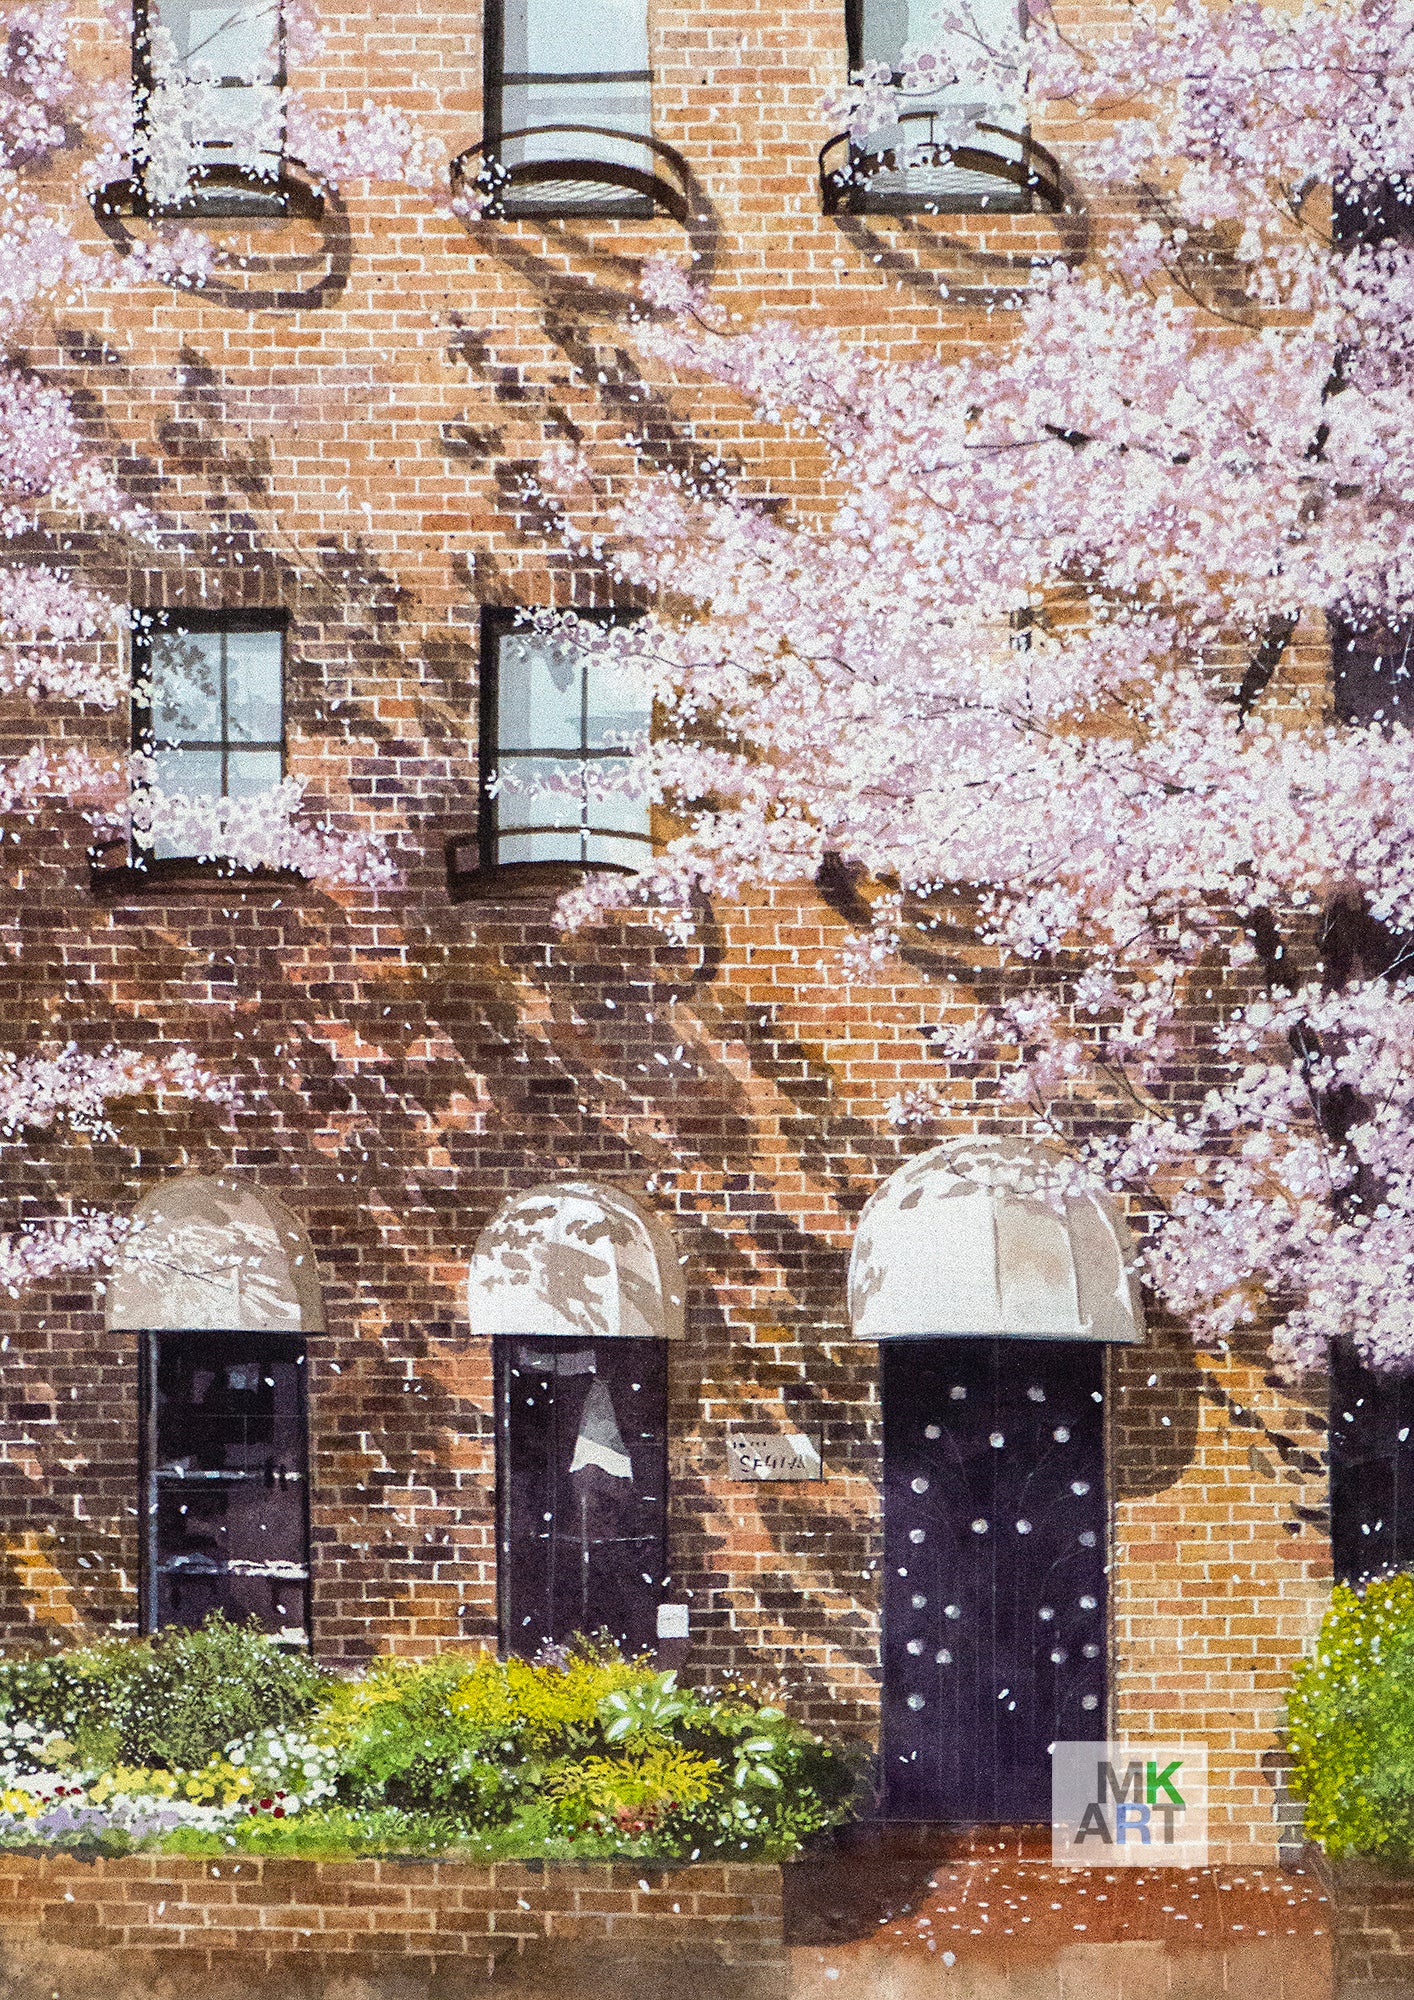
209,708
225,1480
210,81
879,31
558,727
1373,667
552,68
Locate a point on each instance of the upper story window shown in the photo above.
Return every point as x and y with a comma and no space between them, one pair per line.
1373,670
557,728
965,166
208,705
569,106
209,82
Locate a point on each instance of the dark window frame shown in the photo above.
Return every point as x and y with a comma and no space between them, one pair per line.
488,870
278,1344
861,199
220,189
630,204
118,867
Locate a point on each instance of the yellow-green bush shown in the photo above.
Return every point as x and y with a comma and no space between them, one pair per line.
1351,1723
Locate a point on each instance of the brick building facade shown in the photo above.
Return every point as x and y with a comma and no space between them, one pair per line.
338,430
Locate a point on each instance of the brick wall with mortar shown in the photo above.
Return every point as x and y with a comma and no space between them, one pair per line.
146,1923
340,425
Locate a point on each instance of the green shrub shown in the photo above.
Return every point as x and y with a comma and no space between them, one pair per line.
1351,1723
585,1752
172,1702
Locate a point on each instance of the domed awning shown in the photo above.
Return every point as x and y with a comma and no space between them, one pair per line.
216,1256
971,1238
575,1258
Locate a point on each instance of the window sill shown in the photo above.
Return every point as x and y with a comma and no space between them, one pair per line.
515,881
858,202
124,879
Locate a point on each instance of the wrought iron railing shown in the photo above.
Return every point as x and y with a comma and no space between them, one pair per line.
571,183
856,180
224,190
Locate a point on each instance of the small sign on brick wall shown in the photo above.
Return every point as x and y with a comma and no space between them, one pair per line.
771,1454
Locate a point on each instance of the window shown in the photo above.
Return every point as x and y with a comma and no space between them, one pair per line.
225,1480
1371,1469
1373,668
557,725
208,706
568,137
992,174
222,1303
1375,212
209,82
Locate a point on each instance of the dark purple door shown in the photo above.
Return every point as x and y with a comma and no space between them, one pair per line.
1371,1469
582,1466
994,1549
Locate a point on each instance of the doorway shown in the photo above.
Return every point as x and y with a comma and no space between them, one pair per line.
582,1479
995,1553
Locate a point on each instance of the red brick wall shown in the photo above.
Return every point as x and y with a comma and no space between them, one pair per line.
443,1925
342,433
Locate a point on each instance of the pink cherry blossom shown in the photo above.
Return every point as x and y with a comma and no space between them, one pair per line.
1049,658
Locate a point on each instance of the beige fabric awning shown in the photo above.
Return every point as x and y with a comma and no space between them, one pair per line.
969,1239
219,1256
575,1258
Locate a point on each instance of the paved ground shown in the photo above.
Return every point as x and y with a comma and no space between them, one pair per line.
998,1923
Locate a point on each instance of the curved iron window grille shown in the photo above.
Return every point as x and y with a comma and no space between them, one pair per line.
208,705
208,80
560,138
555,722
904,169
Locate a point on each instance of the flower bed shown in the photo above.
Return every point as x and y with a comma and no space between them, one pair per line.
200,1743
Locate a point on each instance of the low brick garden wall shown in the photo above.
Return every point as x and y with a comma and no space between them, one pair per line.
167,1927
1372,1926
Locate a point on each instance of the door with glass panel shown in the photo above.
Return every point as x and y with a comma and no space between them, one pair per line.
569,89
994,1549
582,1458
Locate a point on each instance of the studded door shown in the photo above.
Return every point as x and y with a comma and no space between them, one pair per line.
994,1596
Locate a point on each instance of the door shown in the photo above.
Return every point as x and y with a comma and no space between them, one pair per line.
582,1464
994,1549
1371,1468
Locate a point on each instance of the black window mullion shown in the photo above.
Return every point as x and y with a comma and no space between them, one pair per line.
494,79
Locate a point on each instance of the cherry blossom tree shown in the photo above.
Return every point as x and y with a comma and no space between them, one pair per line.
1054,664
61,649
